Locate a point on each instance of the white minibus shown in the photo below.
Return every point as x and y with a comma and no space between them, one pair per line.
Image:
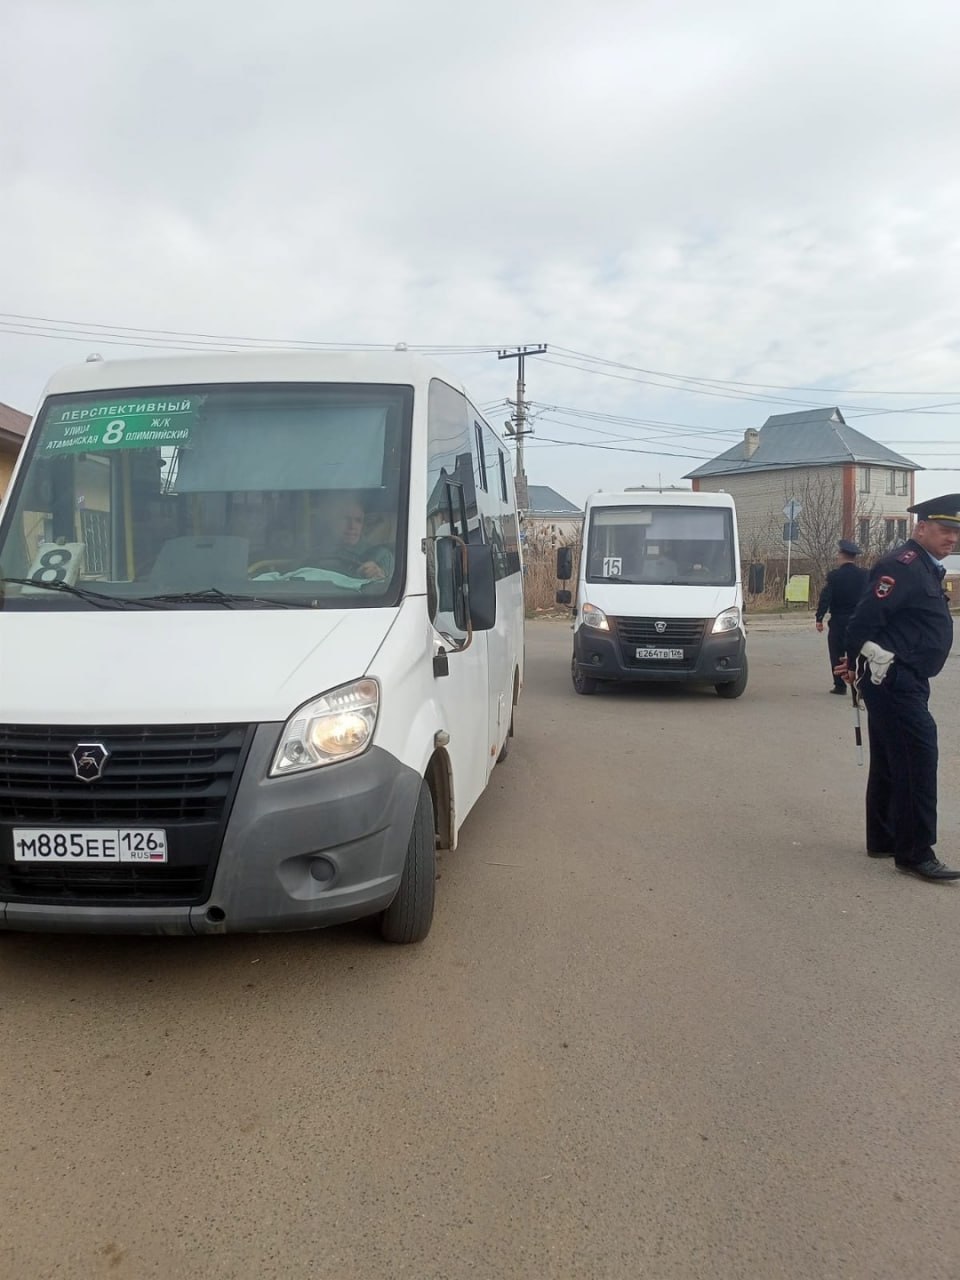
261,641
659,595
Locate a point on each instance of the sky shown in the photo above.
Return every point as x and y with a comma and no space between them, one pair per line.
709,212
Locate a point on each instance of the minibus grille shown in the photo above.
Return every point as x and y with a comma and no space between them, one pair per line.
662,634
177,777
660,631
92,886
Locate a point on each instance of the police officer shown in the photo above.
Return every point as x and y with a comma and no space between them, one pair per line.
839,597
899,636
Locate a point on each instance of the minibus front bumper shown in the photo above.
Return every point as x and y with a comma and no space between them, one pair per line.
309,850
696,657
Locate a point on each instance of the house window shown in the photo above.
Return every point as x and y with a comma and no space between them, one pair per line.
863,479
863,534
903,483
891,482
894,532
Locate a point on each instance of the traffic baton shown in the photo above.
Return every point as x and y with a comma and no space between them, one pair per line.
858,736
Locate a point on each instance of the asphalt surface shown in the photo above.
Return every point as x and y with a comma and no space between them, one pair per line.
671,1022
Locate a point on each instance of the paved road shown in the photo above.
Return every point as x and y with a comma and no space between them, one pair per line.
671,1022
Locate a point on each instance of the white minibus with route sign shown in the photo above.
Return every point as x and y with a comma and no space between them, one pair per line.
261,640
659,595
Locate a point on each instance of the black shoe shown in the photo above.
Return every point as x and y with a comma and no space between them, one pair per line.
879,853
842,690
932,869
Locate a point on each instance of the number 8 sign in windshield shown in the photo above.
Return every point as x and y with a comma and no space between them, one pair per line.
56,562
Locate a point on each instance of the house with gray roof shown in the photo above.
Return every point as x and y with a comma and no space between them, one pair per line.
848,485
551,517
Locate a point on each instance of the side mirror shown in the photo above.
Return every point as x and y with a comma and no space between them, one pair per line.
564,563
564,597
481,584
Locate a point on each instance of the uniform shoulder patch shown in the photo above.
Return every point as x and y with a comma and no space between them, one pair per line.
884,586
907,557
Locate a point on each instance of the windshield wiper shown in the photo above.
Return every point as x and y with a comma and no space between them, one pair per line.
229,599
97,598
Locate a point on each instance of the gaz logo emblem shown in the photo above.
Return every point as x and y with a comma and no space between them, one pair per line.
88,760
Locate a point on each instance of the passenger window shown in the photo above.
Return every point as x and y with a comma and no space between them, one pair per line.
481,457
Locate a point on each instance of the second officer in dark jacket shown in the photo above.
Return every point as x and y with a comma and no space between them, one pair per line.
840,596
899,637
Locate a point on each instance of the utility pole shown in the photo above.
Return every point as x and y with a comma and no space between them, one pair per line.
518,424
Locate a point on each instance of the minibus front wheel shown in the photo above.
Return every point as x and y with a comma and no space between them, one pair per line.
410,914
734,688
582,683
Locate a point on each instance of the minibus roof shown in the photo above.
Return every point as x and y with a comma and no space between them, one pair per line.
656,498
389,367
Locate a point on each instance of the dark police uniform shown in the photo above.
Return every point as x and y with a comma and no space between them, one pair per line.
904,609
840,596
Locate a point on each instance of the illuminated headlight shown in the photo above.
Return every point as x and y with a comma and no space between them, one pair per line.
729,620
594,617
334,727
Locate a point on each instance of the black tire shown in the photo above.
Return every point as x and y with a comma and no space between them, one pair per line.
734,688
583,684
410,915
505,749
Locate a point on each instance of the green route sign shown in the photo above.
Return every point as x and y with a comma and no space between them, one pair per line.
119,424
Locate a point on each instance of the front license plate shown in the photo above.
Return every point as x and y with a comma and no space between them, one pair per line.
672,654
93,845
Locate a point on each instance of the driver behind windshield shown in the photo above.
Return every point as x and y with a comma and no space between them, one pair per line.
343,540
342,547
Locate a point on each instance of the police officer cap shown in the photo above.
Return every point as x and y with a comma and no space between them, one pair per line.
944,510
848,548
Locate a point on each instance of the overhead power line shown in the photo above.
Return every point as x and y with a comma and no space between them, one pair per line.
542,441
707,390
596,415
734,382
692,390
139,337
90,330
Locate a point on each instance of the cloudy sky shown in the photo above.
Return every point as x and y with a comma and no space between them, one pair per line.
733,209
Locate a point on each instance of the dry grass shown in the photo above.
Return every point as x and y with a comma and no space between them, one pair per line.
540,584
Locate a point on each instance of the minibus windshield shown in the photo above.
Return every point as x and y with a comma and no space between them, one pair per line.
666,545
214,497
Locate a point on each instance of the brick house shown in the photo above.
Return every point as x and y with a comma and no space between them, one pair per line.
13,427
848,485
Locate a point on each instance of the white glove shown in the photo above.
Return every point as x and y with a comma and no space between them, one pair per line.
879,659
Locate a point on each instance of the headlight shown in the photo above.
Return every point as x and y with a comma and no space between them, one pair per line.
729,620
594,617
333,727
